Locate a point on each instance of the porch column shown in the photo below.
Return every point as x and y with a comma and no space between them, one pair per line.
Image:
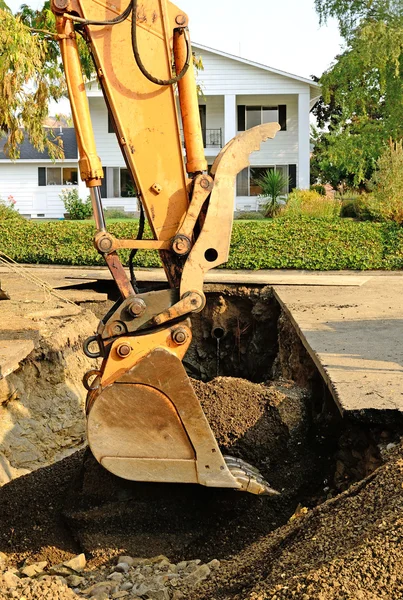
230,124
83,191
303,141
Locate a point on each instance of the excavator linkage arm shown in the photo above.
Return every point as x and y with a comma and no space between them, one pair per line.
144,421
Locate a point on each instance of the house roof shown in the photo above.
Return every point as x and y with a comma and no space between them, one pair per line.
28,152
257,65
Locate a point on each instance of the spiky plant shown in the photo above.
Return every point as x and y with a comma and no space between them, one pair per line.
272,184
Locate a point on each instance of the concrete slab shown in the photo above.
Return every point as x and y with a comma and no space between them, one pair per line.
12,352
60,276
239,277
355,337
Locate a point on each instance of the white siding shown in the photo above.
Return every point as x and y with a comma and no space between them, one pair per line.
222,75
20,180
108,150
214,111
283,149
107,145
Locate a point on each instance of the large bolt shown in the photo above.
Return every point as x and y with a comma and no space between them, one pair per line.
180,19
181,244
117,328
180,336
123,350
204,183
137,307
61,4
105,244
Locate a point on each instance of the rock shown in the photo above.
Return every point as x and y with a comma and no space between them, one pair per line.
182,565
74,580
161,594
191,566
100,596
127,585
107,587
198,575
120,594
10,579
60,570
115,576
128,560
177,595
158,559
214,564
141,589
34,570
77,563
122,567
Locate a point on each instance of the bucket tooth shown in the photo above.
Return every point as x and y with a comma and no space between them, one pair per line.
249,478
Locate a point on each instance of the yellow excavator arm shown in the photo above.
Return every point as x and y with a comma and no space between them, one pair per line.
144,421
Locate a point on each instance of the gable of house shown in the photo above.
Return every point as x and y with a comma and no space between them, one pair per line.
226,74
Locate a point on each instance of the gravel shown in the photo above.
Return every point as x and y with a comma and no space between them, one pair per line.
131,577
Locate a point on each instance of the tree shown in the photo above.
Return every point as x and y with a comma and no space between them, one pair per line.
364,87
388,183
31,74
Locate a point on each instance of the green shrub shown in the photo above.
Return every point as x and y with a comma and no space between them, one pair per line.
281,243
76,208
388,184
117,213
8,210
359,206
248,215
309,203
317,187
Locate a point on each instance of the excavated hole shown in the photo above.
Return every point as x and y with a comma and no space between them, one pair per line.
265,402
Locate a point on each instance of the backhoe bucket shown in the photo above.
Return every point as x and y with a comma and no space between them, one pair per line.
149,426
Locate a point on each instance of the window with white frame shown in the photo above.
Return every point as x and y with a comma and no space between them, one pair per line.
257,115
57,176
251,116
248,180
117,183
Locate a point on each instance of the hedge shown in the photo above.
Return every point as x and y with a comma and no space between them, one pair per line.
283,243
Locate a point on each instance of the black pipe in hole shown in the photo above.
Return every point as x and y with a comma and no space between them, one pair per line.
218,333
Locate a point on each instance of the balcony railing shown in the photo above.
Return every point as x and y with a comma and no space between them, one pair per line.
212,138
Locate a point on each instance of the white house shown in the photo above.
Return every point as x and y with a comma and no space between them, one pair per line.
236,94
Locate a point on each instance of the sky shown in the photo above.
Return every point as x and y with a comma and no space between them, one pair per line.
285,35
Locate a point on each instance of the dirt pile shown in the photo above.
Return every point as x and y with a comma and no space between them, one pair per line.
348,548
345,547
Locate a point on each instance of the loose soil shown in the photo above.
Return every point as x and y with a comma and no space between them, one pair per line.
345,546
312,542
76,505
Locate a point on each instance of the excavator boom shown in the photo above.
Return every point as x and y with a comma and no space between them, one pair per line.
144,421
